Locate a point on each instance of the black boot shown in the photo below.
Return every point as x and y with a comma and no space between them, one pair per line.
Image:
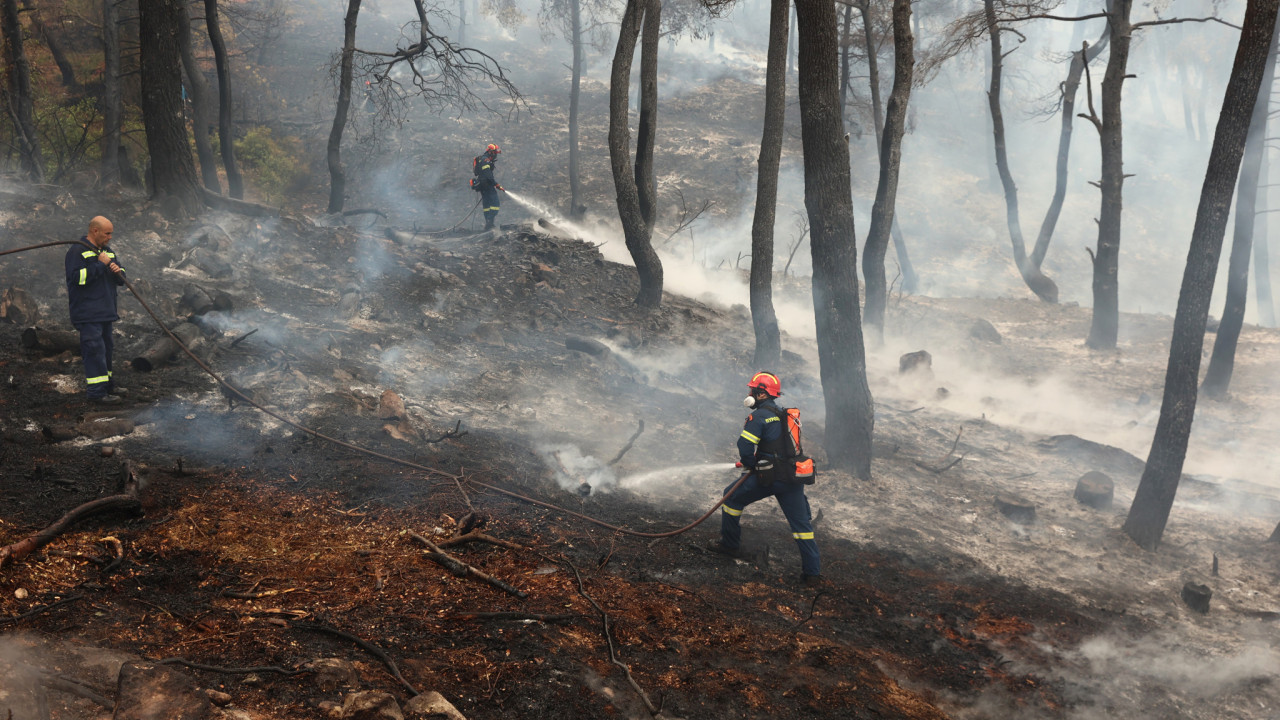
488,223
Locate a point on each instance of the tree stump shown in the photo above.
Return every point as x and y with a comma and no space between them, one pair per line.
1196,596
918,360
1095,490
18,307
1016,509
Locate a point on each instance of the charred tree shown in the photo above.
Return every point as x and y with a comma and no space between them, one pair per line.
337,178
1105,326
637,231
1262,255
226,130
1041,285
173,170
1217,378
111,94
18,100
829,202
40,30
1154,498
575,95
1079,59
647,129
846,53
768,340
200,101
882,210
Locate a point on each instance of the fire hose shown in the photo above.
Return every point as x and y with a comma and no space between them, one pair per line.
233,390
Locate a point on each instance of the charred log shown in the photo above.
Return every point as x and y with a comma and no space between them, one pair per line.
164,349
50,341
125,501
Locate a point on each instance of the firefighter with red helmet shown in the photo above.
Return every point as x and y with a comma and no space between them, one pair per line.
760,445
485,183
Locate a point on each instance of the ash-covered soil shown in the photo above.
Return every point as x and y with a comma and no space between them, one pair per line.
254,534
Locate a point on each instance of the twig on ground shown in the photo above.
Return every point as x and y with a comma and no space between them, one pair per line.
36,611
627,447
461,569
449,434
240,339
812,607
370,647
538,617
477,536
939,470
232,670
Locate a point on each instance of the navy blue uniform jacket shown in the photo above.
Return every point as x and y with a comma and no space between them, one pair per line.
761,435
91,286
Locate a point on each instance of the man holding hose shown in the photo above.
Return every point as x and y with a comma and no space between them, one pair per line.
93,275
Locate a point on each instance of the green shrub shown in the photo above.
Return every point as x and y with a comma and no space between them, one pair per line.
272,162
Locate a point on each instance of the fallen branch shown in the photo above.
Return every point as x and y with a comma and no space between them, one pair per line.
125,501
240,339
118,557
538,617
812,607
939,470
238,595
461,569
370,647
608,636
450,434
627,447
32,613
241,207
232,670
477,536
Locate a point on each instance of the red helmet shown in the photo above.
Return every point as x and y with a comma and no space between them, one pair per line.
493,149
767,382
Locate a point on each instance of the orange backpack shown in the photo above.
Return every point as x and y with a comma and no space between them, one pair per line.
793,465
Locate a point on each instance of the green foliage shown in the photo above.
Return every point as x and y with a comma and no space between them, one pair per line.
272,162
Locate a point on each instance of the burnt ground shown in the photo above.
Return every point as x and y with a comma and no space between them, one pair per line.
934,605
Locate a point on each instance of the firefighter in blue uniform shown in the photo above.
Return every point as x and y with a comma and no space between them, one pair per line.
93,274
758,445
486,184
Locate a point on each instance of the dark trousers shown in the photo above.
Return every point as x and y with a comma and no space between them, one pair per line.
795,506
95,347
490,203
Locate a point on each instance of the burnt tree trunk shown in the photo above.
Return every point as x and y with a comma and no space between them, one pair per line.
19,103
1041,285
200,105
39,29
1262,254
173,170
1105,326
1217,378
1079,59
1154,498
768,341
882,210
646,131
226,130
829,202
637,232
576,209
111,94
337,178
846,51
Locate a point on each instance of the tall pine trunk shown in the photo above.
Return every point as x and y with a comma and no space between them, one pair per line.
1217,378
226,130
576,209
1105,326
172,169
829,202
1262,254
200,106
647,129
337,178
882,210
1037,281
19,103
1079,59
112,96
40,30
1154,499
636,230
768,340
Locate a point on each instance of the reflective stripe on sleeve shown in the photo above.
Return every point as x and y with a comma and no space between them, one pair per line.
730,511
751,438
84,275
802,536
97,380
88,254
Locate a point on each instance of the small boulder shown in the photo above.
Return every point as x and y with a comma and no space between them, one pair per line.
157,692
919,360
431,706
333,673
985,331
371,705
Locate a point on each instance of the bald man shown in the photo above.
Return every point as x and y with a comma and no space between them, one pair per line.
92,278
